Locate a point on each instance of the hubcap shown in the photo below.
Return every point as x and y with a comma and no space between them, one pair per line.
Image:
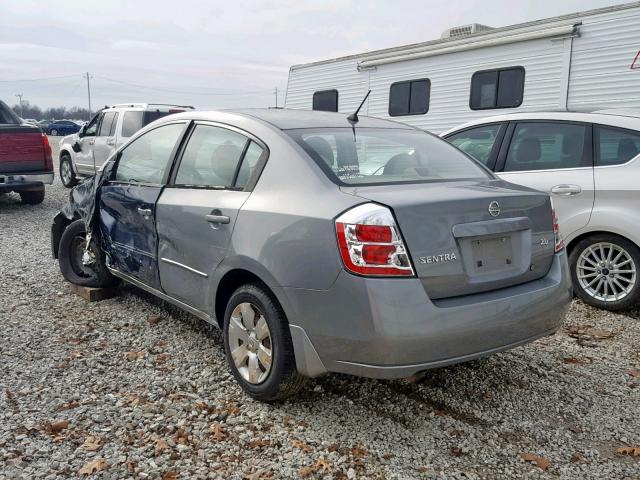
606,271
65,171
250,343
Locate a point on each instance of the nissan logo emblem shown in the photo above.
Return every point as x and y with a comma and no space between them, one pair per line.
494,209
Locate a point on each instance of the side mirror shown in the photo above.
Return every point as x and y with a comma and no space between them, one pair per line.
82,130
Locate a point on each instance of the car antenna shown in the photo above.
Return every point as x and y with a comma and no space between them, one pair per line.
353,118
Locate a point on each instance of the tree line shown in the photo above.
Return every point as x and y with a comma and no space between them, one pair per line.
56,113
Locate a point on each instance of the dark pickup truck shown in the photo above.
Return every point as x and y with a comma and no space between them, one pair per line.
26,164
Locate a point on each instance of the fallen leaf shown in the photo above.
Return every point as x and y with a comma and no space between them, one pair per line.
487,396
170,475
131,356
634,373
161,446
307,471
181,436
131,466
69,405
218,432
631,451
541,462
587,332
323,465
94,466
359,452
57,427
456,451
92,443
440,413
579,458
259,443
577,360
260,475
153,319
301,445
423,469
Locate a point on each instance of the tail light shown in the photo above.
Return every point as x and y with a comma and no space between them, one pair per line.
559,241
370,242
48,157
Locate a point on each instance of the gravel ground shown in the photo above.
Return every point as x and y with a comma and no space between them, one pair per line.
133,388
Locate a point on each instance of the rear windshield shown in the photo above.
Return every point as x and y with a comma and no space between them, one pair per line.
7,117
136,119
375,156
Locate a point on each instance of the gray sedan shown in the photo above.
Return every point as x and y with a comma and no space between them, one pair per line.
272,225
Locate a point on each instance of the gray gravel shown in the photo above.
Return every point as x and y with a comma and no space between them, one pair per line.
142,390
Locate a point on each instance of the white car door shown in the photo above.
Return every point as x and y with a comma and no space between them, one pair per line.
105,142
557,158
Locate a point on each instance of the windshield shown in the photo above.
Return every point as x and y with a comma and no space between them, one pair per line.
385,156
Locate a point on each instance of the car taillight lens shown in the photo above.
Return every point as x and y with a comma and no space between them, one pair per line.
370,242
48,157
559,241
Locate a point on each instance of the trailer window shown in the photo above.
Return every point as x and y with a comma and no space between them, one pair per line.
326,101
409,97
500,88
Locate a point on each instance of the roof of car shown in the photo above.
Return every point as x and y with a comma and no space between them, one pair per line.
288,119
628,118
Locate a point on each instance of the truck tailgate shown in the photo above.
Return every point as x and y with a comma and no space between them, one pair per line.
21,149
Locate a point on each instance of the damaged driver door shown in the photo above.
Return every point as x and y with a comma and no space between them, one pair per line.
128,202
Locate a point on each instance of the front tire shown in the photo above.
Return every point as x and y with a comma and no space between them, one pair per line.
258,345
70,255
32,197
67,175
604,270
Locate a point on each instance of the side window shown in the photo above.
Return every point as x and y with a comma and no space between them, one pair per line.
131,122
147,159
410,97
326,101
105,126
92,128
477,142
211,157
114,122
501,88
249,163
545,146
615,146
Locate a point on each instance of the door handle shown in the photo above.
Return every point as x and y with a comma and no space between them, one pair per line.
211,218
566,190
145,212
111,141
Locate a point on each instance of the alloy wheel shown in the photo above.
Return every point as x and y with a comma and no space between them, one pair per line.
65,172
606,271
250,343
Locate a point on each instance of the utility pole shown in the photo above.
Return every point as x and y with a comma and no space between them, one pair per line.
276,97
87,76
19,95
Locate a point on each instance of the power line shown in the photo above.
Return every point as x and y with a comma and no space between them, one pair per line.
38,79
162,89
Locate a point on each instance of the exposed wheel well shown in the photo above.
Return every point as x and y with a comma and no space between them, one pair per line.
229,284
574,242
64,153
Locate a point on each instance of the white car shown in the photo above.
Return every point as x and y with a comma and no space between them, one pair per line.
83,153
590,164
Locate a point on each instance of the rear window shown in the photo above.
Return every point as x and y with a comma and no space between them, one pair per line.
7,116
136,119
377,156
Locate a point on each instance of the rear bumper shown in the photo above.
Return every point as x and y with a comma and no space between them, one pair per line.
389,328
24,181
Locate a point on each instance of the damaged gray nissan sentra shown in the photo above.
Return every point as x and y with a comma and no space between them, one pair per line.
320,243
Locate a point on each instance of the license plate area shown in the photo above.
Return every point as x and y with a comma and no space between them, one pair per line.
491,255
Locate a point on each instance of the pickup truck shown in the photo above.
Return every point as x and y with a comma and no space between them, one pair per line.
26,163
83,153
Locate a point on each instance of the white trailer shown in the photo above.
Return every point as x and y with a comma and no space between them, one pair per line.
579,62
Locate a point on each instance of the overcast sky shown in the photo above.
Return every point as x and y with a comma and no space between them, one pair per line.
211,53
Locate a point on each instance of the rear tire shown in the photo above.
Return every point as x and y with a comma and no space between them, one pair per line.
279,379
67,175
606,259
32,197
54,132
70,254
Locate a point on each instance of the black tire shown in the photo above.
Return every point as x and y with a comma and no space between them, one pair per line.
283,380
632,298
32,197
70,259
68,180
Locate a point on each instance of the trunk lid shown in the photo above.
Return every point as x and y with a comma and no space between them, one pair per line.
21,149
457,246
